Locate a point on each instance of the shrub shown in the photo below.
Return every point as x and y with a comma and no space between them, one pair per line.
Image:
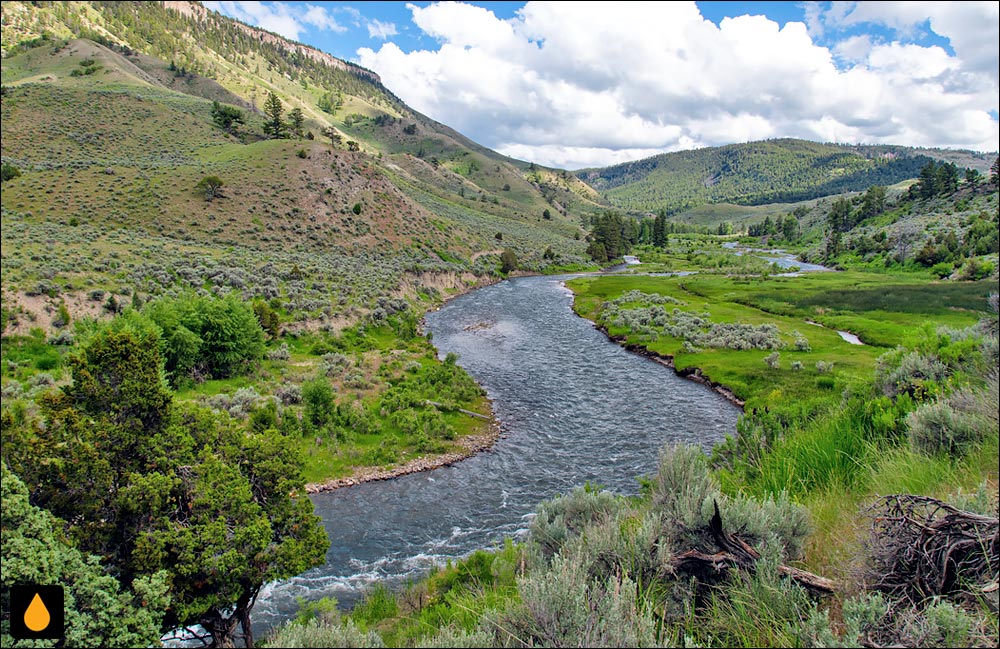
942,270
335,363
281,353
561,518
212,186
939,427
319,401
975,269
773,360
317,633
221,335
289,393
909,373
8,172
563,607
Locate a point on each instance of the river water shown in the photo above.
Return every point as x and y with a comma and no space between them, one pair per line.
574,407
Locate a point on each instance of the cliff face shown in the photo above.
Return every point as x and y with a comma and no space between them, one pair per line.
197,11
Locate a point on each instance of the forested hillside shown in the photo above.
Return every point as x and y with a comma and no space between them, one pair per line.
756,173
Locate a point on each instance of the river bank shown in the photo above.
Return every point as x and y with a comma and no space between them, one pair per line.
471,445
691,373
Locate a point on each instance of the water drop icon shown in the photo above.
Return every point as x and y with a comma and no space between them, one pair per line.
37,617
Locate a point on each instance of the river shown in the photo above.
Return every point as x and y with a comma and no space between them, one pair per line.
574,407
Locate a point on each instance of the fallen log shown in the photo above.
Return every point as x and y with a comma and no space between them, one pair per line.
735,553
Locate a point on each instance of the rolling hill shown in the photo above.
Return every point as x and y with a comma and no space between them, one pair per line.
759,173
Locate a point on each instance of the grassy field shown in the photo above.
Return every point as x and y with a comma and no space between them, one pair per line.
881,312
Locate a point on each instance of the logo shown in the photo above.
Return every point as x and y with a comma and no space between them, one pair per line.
36,612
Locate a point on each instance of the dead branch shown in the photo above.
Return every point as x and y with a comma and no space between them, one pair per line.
735,553
921,547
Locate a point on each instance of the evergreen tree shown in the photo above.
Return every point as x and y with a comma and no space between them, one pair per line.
927,185
336,140
947,178
873,202
508,261
840,218
660,229
295,121
150,488
97,611
274,126
226,117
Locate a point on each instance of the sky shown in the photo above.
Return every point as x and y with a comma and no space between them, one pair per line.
588,84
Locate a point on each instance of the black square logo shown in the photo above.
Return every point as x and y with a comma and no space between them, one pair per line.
36,612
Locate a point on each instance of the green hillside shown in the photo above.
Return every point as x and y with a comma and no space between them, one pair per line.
108,116
759,173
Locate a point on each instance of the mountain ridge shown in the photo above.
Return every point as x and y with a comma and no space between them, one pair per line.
763,172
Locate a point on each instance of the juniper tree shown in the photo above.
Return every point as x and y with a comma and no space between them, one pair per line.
150,486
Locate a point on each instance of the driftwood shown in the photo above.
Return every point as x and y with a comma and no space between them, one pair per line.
736,553
921,547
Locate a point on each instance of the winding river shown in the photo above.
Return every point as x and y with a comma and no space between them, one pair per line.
574,407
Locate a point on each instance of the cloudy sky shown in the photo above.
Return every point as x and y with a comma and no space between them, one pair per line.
578,84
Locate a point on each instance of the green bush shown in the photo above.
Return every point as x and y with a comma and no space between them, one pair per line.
317,634
956,424
943,269
909,372
559,519
218,336
319,402
563,606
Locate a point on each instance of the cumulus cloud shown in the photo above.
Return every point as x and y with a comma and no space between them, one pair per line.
584,84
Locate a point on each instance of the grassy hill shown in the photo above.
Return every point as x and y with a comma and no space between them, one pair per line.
759,173
112,140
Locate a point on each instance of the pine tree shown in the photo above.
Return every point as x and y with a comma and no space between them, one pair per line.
274,127
295,121
660,229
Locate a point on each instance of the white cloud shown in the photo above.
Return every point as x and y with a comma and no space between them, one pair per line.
287,20
320,18
972,28
382,30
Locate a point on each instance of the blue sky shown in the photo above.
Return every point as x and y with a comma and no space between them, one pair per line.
576,84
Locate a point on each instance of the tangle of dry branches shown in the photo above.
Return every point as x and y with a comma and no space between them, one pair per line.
921,547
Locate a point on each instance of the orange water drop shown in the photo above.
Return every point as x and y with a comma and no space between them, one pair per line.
37,616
